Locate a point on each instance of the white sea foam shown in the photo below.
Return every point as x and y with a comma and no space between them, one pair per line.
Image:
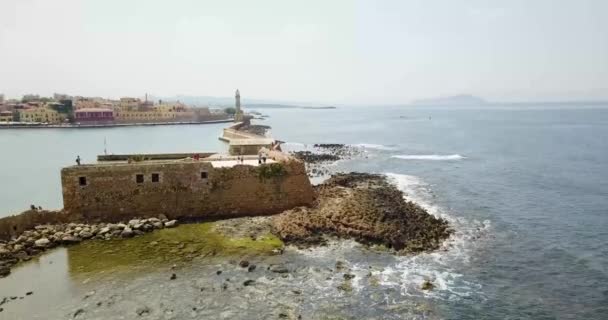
443,267
434,157
374,146
437,266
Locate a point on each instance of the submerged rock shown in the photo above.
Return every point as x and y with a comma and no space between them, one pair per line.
141,311
427,285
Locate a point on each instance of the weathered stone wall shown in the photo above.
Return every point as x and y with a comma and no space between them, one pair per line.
15,225
112,193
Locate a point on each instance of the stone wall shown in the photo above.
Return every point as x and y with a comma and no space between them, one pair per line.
185,189
15,225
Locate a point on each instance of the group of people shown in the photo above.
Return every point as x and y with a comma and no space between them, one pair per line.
261,158
240,159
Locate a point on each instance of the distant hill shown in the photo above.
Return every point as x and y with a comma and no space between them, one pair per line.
462,99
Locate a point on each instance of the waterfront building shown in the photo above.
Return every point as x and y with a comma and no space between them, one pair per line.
61,96
129,104
94,116
6,116
35,112
1,98
30,98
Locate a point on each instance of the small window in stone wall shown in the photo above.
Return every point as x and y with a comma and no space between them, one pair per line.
155,177
82,181
139,178
203,175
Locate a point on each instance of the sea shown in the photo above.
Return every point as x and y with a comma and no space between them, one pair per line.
525,188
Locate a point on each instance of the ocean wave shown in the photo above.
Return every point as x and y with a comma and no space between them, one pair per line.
437,266
374,146
406,274
434,157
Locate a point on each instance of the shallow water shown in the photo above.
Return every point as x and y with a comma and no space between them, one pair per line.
526,190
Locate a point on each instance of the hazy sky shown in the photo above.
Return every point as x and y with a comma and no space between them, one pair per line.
326,51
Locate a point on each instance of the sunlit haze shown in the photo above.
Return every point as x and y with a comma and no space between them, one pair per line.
335,52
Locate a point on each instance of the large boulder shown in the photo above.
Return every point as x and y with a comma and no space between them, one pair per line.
127,232
171,224
85,234
69,239
42,243
104,230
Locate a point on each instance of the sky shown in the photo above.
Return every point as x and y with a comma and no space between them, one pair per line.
334,52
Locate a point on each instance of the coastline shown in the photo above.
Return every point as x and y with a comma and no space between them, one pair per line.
110,125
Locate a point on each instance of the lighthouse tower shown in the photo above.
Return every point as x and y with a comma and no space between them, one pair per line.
238,116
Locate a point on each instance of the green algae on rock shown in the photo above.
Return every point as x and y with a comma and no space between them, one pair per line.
165,247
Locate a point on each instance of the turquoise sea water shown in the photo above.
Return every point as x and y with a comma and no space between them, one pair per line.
526,189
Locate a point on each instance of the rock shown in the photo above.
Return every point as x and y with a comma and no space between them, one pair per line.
244,263
42,243
173,276
5,252
22,255
141,311
121,226
133,222
427,285
84,234
138,226
104,230
163,217
171,224
158,225
153,220
345,286
5,271
127,232
279,269
218,272
68,239
348,276
78,312
248,282
251,267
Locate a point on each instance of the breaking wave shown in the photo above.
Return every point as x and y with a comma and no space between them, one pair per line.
443,267
374,146
435,157
438,266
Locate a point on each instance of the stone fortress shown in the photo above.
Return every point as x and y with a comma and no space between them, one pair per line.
194,186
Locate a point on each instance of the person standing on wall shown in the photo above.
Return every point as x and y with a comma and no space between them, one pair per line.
78,160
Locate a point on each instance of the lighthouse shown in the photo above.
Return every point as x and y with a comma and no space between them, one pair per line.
238,115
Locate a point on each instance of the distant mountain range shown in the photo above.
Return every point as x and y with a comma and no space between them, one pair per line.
462,99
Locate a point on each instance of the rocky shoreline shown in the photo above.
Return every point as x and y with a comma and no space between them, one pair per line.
366,208
256,129
43,237
360,206
323,154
